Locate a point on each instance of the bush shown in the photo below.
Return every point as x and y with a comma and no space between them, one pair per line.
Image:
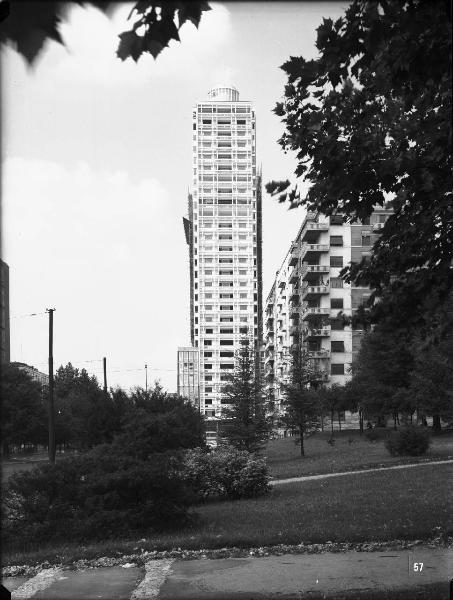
412,441
99,494
372,435
225,473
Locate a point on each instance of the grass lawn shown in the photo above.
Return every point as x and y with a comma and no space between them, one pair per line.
404,504
351,451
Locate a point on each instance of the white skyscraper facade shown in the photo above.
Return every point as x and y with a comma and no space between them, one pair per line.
223,231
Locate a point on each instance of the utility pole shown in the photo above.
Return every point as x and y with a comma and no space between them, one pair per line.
51,398
104,360
146,377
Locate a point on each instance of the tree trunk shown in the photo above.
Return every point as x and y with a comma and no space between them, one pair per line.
339,420
394,420
361,420
436,423
331,422
322,421
301,434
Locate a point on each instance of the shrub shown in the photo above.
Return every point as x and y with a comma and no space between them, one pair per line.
372,435
412,441
225,472
99,494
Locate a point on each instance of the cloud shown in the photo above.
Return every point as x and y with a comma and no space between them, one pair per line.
107,252
91,40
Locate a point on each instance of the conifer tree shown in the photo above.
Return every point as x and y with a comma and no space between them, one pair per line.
302,401
245,422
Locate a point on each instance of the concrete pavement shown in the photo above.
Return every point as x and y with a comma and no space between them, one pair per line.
288,576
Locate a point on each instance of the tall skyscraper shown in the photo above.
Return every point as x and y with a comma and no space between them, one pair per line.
4,319
223,231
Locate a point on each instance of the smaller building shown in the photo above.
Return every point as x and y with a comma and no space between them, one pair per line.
42,378
188,374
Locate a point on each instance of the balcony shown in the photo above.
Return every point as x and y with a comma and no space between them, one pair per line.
294,255
313,249
319,375
312,230
314,311
294,277
314,290
310,272
313,332
323,353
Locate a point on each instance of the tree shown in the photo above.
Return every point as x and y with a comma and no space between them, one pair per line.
245,425
24,413
29,24
332,400
382,374
370,121
302,399
432,381
84,414
159,422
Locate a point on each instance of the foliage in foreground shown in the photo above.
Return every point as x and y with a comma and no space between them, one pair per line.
412,441
28,25
225,472
99,494
369,120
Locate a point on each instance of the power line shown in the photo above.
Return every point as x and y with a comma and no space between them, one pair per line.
27,315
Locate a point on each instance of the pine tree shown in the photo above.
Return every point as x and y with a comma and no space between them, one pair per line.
245,423
302,401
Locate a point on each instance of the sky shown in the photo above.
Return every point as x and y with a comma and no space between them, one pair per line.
96,167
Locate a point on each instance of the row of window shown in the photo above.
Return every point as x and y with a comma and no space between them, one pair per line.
216,108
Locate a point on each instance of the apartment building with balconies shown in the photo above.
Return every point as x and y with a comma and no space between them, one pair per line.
318,302
223,231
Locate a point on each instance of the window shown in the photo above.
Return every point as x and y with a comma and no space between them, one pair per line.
226,307
207,366
208,342
243,307
226,342
209,331
208,377
336,303
243,329
336,282
208,390
225,225
337,369
226,319
226,296
226,330
336,240
226,354
336,261
208,295
226,365
366,240
337,345
208,354
336,324
243,296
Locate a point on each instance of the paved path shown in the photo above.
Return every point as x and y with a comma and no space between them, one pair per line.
326,475
294,576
